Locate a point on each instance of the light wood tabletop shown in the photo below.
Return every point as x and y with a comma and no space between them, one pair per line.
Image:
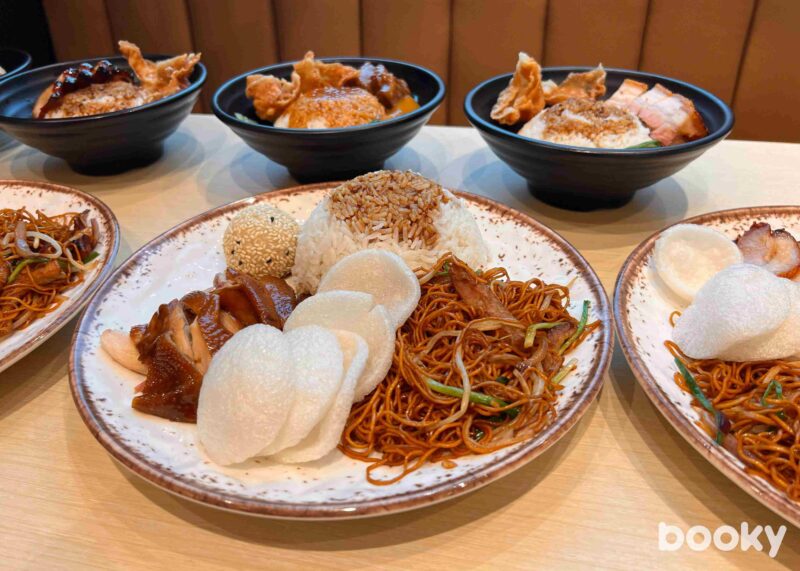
594,500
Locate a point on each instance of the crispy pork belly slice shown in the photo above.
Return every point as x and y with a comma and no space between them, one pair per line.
671,118
774,250
626,93
649,98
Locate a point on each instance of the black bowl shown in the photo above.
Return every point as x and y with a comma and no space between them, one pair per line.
330,154
14,61
97,144
583,178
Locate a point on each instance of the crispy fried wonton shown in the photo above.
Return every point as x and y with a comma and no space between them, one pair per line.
523,98
314,73
587,85
271,95
163,77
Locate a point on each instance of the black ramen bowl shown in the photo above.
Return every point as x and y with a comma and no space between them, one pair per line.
330,154
583,178
98,144
13,61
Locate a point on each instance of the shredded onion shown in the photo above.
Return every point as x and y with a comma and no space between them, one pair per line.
21,241
45,238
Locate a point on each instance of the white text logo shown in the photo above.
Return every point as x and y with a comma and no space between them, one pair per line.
724,538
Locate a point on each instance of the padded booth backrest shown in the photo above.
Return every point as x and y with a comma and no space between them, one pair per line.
744,51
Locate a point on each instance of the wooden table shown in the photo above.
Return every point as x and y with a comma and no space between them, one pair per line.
594,500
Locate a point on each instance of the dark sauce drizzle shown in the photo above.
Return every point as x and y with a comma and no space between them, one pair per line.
74,78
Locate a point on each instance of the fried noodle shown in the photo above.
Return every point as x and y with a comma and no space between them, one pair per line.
449,340
40,257
761,401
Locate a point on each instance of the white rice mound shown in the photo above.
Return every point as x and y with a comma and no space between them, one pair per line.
325,239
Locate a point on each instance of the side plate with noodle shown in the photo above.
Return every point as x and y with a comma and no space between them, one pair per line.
32,312
643,311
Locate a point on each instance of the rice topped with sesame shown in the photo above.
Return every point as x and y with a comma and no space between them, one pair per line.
261,240
402,212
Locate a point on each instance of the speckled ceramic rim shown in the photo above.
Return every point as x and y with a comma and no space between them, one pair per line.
720,458
400,502
57,322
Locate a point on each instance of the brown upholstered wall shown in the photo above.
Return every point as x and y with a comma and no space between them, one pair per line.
742,50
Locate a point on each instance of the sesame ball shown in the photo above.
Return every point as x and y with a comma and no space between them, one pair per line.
261,240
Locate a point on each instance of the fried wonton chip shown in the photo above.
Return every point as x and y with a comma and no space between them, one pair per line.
314,73
271,95
586,85
523,98
163,77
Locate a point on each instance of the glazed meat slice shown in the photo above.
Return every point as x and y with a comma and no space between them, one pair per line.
176,346
388,88
42,274
481,297
774,250
556,337
88,233
172,386
254,301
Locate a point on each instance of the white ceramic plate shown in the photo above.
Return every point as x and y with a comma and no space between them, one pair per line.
55,199
166,453
641,310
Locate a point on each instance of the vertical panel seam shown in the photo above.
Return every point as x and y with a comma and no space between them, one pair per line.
449,81
277,24
361,28
545,27
205,96
644,34
110,24
743,53
192,36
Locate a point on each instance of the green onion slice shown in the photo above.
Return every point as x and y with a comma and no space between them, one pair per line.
530,333
701,397
245,119
651,144
772,386
581,326
474,397
22,264
571,365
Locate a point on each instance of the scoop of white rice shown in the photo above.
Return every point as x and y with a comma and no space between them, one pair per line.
325,239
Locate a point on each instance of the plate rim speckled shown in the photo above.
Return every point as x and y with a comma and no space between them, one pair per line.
58,318
718,457
162,478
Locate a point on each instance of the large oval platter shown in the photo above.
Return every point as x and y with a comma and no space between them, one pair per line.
641,310
56,199
167,454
